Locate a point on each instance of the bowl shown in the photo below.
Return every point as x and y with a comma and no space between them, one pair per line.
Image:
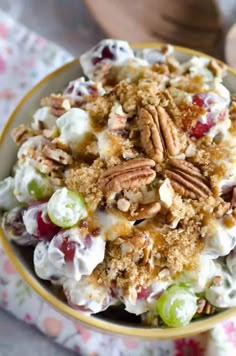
21,257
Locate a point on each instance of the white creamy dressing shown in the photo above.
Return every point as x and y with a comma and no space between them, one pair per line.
136,63
25,175
86,257
140,306
200,277
79,88
131,69
29,217
180,96
87,295
231,262
137,308
151,55
224,294
43,115
112,226
8,200
120,49
219,240
106,147
73,126
228,163
222,128
198,66
221,90
43,267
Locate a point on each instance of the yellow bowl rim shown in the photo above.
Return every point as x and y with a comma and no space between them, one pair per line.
99,324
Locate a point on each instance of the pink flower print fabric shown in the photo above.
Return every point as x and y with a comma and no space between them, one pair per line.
24,59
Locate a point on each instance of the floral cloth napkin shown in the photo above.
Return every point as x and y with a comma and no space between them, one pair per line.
25,58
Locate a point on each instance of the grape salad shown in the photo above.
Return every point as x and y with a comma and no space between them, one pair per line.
125,186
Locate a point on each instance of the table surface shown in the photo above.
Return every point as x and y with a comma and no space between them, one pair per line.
68,23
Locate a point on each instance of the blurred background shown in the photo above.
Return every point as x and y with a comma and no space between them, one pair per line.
198,24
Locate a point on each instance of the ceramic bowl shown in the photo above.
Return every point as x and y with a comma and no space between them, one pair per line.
112,322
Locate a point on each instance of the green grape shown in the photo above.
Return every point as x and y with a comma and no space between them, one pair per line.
36,189
66,208
30,184
177,306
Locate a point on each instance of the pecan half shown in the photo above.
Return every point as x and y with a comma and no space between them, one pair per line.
58,104
131,174
21,133
187,180
158,133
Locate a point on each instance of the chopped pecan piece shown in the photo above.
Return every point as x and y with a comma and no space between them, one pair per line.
204,307
101,72
117,118
58,104
131,174
138,243
158,133
123,204
57,143
150,318
51,133
21,133
217,68
44,165
222,209
57,154
50,168
146,211
187,180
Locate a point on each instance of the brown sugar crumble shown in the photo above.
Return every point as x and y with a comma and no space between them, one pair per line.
84,179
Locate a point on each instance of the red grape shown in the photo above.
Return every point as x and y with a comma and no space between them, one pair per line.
37,222
68,249
14,227
105,54
208,102
144,293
